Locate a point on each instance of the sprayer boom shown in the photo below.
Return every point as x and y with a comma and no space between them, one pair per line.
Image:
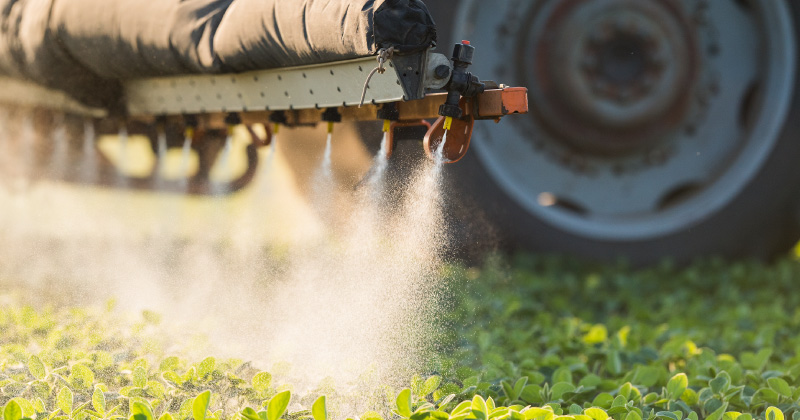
400,90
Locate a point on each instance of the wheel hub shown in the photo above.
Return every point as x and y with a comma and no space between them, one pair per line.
612,76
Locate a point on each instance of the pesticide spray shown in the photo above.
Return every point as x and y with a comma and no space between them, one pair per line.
352,298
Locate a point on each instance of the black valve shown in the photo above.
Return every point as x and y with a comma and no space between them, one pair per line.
462,82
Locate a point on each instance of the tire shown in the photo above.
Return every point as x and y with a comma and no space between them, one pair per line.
705,166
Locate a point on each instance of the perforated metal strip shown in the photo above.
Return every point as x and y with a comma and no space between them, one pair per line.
317,86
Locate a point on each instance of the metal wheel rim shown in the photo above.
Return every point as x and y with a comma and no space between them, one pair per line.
620,207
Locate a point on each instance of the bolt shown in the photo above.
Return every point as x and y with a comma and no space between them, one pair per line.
442,72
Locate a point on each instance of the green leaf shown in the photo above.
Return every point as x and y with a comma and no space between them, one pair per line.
250,414
633,415
780,386
169,363
509,391
142,409
430,385
560,389
319,410
720,383
206,367
200,405
562,374
36,367
64,400
596,413
81,377
278,404
535,413
99,401
479,408
756,361
12,411
676,385
139,377
404,403
613,362
166,416
261,382
597,334
718,413
773,413
668,415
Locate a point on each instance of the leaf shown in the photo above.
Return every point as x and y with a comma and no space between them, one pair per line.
718,413
250,414
319,410
597,334
139,377
613,362
780,386
560,389
479,408
261,382
404,403
669,415
36,367
200,405
81,377
462,408
596,413
99,401
720,383
170,363
633,415
166,416
278,404
64,400
562,374
12,411
773,413
430,385
206,367
509,391
535,413
676,385
756,361
143,409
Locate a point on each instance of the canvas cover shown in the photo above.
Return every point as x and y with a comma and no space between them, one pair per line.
86,47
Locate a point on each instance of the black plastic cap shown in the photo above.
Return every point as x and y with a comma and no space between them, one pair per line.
447,110
463,53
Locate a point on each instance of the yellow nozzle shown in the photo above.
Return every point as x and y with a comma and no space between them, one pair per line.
275,128
330,127
387,125
189,132
230,129
448,122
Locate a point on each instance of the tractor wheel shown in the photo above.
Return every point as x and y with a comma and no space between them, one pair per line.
658,128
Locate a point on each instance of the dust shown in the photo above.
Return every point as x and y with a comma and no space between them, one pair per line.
348,295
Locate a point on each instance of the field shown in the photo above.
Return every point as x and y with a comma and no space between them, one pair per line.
524,338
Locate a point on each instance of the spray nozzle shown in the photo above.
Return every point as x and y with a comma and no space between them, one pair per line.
331,116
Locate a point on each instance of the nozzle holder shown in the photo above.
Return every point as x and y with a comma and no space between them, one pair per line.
389,111
278,117
190,120
462,82
331,115
233,119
